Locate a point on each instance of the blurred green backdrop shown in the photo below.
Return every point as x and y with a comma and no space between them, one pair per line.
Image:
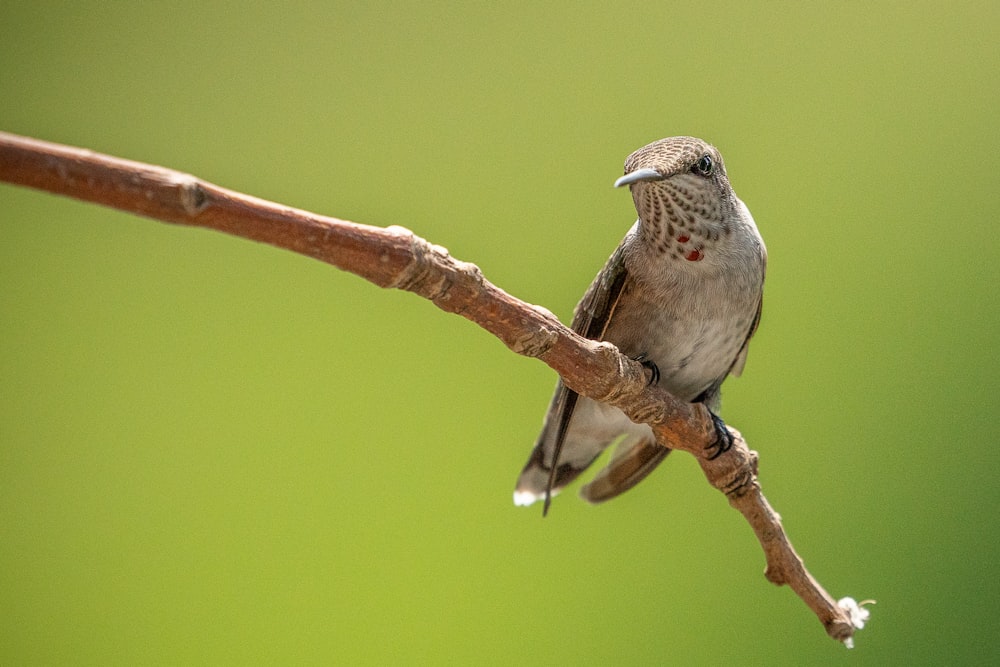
213,451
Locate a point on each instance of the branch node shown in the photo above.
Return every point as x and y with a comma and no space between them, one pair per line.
611,388
535,343
742,478
193,197
418,273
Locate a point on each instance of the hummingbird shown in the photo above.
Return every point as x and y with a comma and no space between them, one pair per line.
681,294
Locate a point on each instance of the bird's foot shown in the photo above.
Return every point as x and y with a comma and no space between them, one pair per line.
654,372
723,438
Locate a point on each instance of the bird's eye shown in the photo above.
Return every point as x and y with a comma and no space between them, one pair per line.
704,166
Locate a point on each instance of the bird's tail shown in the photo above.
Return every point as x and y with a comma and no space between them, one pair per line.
629,466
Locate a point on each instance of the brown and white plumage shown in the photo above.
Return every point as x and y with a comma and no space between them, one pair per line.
682,292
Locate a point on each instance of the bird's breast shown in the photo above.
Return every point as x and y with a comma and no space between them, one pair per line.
692,329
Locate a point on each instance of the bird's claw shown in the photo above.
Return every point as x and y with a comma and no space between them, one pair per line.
654,371
723,438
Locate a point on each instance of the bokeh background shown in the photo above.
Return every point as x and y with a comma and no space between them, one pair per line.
213,451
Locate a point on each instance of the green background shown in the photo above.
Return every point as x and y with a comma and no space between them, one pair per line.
213,451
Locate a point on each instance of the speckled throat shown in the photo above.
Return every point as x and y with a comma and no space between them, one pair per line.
682,217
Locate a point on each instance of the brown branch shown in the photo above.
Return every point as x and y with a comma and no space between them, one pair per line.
395,257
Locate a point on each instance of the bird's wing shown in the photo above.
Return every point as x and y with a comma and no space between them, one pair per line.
596,308
741,358
547,470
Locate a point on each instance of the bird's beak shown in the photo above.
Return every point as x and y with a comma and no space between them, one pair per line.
639,175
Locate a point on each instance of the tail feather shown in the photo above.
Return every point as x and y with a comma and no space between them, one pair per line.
535,476
629,466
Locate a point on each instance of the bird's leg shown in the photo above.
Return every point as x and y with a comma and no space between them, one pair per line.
654,372
723,438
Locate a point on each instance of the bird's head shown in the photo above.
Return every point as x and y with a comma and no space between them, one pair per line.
683,197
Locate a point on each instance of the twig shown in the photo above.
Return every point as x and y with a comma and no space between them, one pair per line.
395,257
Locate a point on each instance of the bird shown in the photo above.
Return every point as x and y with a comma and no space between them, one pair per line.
681,294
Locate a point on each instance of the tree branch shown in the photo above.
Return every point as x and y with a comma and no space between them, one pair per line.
395,257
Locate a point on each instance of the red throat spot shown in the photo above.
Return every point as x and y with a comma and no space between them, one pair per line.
683,239
693,256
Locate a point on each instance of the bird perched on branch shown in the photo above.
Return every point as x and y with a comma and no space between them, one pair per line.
681,294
